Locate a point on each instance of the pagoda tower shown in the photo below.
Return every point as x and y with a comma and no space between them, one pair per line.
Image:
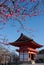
27,48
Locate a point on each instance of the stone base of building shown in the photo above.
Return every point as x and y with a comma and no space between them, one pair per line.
32,62
28,62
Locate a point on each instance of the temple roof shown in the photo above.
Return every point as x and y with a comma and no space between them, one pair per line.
23,40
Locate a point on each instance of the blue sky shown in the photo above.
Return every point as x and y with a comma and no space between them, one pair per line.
36,24
34,29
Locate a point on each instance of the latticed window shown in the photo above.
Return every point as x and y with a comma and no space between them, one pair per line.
25,56
21,56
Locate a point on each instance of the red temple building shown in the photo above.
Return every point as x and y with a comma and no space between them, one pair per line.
27,48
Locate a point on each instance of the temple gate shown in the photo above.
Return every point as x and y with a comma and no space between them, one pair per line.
27,48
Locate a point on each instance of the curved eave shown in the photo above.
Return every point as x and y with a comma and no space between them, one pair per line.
27,44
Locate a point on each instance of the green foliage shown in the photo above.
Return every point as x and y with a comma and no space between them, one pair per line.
41,51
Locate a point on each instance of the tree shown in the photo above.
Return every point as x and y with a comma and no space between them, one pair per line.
19,10
41,51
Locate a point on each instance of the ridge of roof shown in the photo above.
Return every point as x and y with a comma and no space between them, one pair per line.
23,38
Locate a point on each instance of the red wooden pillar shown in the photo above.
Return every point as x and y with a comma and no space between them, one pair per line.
23,55
30,56
19,56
